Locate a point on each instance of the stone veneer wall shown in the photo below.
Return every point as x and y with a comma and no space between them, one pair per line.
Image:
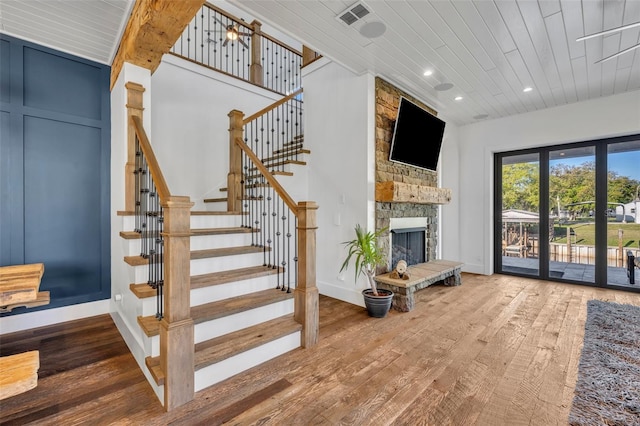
387,101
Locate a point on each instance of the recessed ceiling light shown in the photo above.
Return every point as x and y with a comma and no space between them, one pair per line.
428,73
443,86
458,98
527,89
481,116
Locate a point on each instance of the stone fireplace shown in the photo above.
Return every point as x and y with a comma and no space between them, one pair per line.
406,197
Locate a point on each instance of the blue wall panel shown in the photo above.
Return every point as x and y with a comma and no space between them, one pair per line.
54,170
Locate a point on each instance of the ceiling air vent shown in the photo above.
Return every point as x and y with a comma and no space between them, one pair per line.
353,13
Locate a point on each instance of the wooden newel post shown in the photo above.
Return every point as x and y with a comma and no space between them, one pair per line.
235,177
255,70
134,108
306,295
176,328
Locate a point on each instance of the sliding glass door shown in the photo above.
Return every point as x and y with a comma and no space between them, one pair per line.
520,227
570,212
572,202
623,217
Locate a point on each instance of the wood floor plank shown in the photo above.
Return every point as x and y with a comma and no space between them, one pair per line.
497,350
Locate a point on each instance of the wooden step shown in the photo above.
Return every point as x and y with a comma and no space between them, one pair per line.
274,173
284,153
221,308
193,213
292,146
203,254
280,163
244,198
220,348
19,373
197,232
143,290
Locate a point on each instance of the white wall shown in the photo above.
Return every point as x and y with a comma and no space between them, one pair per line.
339,131
190,125
449,177
600,118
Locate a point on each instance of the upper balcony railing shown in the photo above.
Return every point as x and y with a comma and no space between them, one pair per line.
221,41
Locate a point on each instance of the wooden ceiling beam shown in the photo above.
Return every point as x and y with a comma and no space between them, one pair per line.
152,29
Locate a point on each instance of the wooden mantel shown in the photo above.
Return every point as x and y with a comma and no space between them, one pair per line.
400,192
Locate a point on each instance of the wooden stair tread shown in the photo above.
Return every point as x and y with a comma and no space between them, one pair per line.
130,235
143,290
226,251
197,232
193,213
153,364
203,254
221,308
216,200
281,163
19,373
284,153
232,275
220,348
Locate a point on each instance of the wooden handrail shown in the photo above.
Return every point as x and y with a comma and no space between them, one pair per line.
267,175
271,107
152,162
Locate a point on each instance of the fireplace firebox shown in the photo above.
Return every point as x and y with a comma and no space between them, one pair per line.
408,244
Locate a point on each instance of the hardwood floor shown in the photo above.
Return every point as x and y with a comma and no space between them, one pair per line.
497,350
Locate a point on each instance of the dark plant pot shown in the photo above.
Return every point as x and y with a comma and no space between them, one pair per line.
377,306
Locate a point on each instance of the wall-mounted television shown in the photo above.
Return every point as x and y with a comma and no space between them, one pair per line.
417,137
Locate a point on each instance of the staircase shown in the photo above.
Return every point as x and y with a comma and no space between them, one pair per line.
241,319
217,292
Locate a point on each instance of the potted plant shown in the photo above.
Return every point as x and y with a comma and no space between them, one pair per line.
367,256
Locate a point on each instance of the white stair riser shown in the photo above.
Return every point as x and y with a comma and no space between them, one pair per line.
140,274
199,296
214,293
221,221
219,241
223,263
132,247
216,373
197,221
220,326
152,345
216,207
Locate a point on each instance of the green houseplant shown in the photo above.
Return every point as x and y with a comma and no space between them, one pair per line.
366,255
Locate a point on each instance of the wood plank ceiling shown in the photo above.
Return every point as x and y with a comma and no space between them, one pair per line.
90,29
489,50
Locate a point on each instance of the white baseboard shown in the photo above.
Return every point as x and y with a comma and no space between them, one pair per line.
473,269
46,317
349,294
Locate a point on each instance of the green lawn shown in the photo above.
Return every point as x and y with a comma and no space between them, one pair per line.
585,234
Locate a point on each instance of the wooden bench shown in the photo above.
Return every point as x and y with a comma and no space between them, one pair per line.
421,275
20,286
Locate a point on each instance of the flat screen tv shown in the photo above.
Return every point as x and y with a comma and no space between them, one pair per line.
417,137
